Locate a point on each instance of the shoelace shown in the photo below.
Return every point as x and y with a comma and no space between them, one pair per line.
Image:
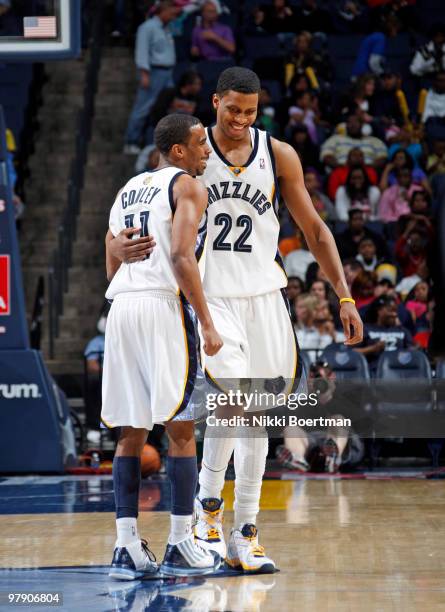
150,554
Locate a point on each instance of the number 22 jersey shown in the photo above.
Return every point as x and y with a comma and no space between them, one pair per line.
242,257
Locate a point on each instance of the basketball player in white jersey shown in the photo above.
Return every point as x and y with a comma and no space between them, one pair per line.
244,282
150,357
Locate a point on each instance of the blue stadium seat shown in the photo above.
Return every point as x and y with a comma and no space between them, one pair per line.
210,71
344,47
399,46
257,47
346,363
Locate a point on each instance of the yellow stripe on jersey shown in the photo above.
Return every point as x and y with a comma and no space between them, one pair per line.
237,170
187,364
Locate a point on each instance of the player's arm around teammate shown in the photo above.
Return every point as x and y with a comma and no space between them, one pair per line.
318,236
191,201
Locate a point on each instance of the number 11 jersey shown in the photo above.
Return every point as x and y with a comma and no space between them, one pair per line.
242,258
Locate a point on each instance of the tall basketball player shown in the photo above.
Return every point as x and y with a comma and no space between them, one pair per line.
150,357
244,282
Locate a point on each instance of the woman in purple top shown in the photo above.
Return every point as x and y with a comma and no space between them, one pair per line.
212,40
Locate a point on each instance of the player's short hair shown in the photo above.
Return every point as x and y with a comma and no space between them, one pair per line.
173,129
241,80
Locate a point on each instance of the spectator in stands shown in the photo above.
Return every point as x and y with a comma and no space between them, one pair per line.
402,159
17,202
411,249
307,151
371,54
436,170
303,113
335,150
383,331
350,17
266,113
408,140
430,58
309,338
295,287
435,164
321,202
367,254
420,208
395,200
418,304
384,106
434,113
350,238
312,18
148,159
155,58
297,261
275,18
212,40
319,289
359,100
304,57
357,193
363,287
351,268
183,98
340,174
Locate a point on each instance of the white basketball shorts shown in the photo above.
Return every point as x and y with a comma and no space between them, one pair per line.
259,340
150,360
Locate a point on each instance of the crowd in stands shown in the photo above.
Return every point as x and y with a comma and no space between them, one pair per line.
372,145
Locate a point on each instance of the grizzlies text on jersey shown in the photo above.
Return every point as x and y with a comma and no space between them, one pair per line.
242,223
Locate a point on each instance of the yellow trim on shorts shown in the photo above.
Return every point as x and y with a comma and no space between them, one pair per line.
107,424
187,364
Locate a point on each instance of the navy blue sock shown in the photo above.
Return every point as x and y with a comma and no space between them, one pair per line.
127,479
183,475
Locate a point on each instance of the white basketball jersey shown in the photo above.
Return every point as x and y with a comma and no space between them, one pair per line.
242,256
146,201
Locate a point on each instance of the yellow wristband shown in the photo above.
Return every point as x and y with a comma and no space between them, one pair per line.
347,300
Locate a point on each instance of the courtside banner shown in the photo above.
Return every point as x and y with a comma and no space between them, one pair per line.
5,285
13,326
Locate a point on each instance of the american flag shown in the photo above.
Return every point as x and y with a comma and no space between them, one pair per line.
40,27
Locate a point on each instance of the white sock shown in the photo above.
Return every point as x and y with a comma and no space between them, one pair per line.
250,463
216,457
180,528
127,531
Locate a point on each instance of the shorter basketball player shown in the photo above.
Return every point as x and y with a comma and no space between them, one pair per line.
150,359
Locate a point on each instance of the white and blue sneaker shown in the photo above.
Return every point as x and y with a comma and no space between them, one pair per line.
133,561
187,558
245,554
209,524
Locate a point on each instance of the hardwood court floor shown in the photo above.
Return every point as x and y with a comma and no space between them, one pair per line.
341,546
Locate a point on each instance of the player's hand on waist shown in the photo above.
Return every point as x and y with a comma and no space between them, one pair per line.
212,340
128,248
352,323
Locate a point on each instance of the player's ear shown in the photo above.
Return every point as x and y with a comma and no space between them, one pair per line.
216,101
177,151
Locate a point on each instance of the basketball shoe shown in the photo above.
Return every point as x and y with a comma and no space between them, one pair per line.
245,554
287,459
208,524
187,558
133,561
